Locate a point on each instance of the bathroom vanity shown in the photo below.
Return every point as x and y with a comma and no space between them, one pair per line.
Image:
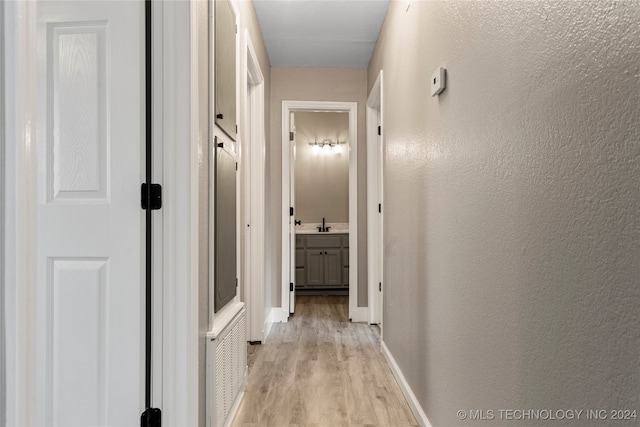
322,261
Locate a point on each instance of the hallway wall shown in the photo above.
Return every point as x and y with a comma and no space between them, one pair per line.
249,20
316,84
512,219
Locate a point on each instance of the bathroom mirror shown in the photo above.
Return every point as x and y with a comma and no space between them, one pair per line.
225,67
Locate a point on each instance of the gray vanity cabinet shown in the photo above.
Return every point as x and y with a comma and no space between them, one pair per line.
323,263
324,267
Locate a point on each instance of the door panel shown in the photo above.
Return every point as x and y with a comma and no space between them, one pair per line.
89,297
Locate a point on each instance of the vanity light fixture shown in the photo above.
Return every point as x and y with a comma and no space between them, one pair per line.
326,145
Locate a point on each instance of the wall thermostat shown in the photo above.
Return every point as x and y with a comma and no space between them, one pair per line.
438,81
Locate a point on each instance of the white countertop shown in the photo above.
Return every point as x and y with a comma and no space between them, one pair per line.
312,228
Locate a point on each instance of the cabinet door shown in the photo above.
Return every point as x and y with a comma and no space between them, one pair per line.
300,278
225,67
332,267
315,268
299,258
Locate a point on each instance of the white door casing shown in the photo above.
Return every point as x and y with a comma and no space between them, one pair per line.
89,240
356,314
292,204
253,165
374,201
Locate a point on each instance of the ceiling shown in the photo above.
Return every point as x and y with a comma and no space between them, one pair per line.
320,33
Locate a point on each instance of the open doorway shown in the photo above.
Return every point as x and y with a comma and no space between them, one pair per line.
340,240
321,203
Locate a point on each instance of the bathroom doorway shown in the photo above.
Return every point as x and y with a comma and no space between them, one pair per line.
320,257
321,209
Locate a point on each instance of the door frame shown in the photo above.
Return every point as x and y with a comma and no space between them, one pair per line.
175,372
252,165
375,187
356,314
2,243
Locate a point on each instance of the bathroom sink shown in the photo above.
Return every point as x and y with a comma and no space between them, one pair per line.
331,231
312,228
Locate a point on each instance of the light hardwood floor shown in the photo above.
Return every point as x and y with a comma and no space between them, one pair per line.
319,369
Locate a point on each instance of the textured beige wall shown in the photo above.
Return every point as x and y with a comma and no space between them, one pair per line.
512,211
322,178
316,84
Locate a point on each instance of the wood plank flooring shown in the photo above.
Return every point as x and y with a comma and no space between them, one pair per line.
319,369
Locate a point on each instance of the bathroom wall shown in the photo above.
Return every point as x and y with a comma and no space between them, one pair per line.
512,206
315,84
321,176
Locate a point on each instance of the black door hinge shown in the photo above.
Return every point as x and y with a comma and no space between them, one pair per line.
236,165
220,144
379,130
290,136
291,211
151,196
379,207
290,287
151,417
380,286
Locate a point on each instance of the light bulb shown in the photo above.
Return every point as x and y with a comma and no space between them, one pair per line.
338,148
315,148
326,147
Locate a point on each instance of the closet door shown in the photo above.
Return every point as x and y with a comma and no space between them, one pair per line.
225,67
88,304
225,227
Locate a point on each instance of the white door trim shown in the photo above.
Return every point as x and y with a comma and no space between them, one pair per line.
20,185
180,213
374,197
356,314
253,168
2,232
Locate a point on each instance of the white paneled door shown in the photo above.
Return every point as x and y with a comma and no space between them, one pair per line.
90,295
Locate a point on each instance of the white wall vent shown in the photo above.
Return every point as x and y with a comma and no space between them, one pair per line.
226,369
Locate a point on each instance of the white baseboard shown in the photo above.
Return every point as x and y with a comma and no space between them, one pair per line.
359,314
421,417
276,315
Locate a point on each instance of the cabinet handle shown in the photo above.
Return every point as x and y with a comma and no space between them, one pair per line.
325,252
320,252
